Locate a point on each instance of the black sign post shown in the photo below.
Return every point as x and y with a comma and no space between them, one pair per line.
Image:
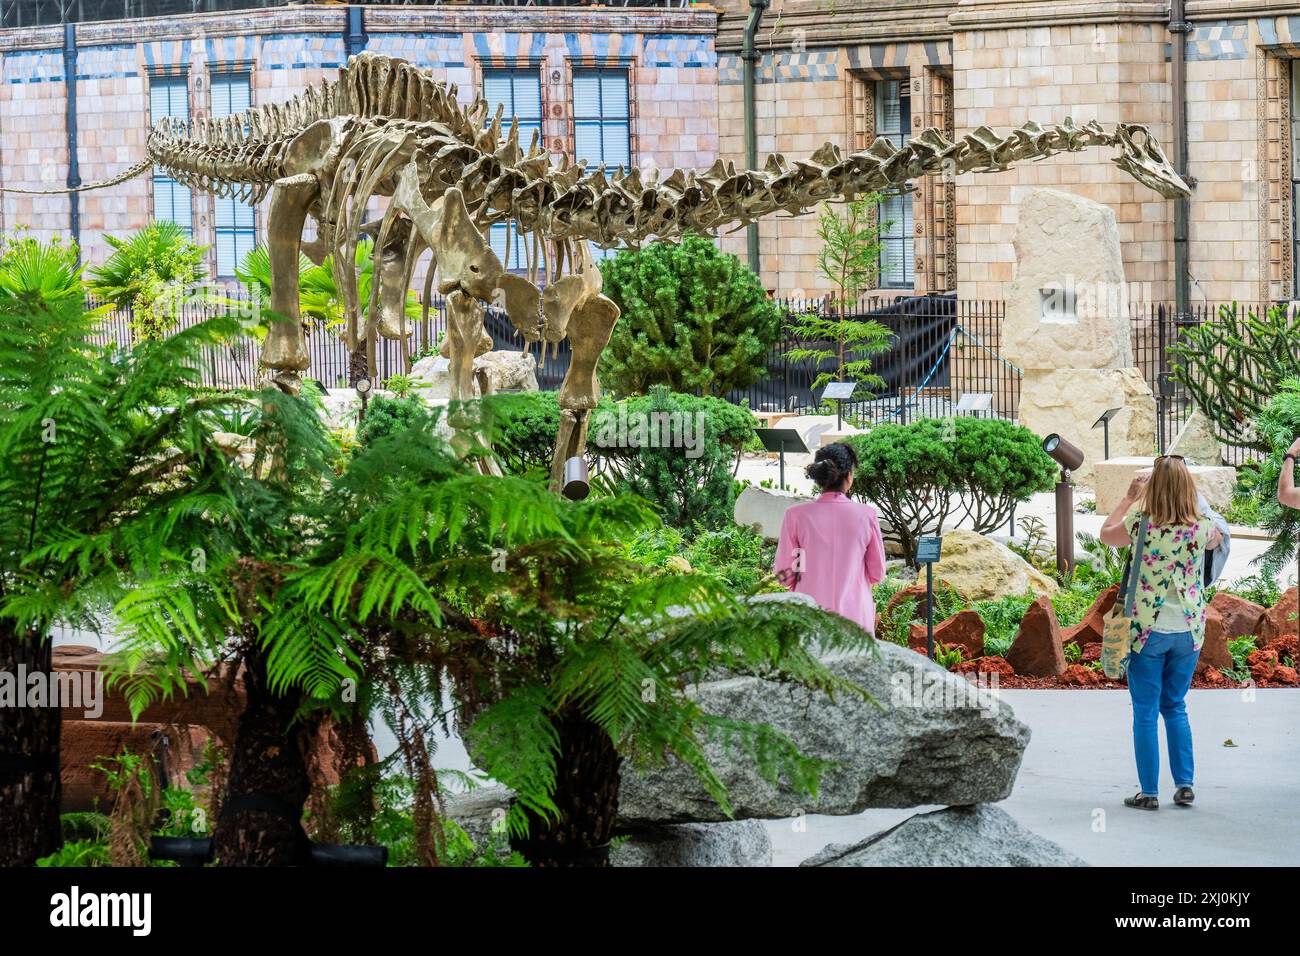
839,391
1104,422
927,553
782,440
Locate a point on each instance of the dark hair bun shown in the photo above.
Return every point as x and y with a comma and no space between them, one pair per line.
831,465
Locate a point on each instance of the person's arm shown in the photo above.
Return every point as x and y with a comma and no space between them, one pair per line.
787,552
1115,532
1287,493
873,561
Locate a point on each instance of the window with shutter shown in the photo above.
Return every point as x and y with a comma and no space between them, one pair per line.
601,123
894,123
169,96
236,221
519,91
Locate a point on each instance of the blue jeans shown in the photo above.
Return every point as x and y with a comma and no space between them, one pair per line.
1158,679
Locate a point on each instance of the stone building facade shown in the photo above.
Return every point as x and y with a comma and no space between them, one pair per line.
627,85
844,72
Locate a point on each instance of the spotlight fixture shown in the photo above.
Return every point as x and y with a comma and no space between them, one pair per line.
1069,457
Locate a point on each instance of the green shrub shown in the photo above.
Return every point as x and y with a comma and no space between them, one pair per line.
679,452
1002,621
1003,464
1263,589
1276,427
387,416
694,319
524,428
735,555
913,473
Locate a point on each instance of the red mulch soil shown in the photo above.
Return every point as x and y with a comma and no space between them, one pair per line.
1078,677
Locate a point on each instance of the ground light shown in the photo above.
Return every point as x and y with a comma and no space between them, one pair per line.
1069,458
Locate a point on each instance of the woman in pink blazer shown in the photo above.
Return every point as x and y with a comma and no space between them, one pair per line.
830,548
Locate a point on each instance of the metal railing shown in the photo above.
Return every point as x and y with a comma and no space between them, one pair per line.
18,14
942,348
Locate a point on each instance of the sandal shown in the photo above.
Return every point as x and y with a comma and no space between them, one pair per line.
1140,802
1184,797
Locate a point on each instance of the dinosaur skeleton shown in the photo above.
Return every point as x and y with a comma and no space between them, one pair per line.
387,128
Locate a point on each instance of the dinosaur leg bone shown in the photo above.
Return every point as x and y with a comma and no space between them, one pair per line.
285,350
590,327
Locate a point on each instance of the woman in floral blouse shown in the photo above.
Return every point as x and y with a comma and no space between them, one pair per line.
1167,607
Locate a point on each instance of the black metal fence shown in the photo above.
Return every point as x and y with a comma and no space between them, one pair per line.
942,348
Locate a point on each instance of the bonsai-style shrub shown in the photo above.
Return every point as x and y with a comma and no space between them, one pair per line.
679,452
1002,464
1234,365
693,319
921,473
910,473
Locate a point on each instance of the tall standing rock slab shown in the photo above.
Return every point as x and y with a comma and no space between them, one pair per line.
1214,649
953,836
1196,441
1037,650
1066,308
935,739
1068,401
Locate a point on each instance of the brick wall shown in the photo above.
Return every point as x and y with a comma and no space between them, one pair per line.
1111,73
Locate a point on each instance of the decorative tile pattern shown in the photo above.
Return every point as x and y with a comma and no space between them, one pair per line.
297,51
107,62
600,48
809,67
226,53
167,57
509,49
1219,40
1281,33
33,66
679,50
433,50
879,60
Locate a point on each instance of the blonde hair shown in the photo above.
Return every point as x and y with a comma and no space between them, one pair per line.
1171,496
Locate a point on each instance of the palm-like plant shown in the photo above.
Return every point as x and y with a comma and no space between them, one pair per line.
319,298
151,272
106,475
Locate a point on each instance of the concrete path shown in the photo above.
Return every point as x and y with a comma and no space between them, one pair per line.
1079,767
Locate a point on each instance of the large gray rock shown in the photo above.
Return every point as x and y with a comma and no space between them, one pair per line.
935,738
954,836
740,843
506,369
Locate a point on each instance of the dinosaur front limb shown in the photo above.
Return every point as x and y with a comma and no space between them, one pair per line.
464,342
285,351
590,328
